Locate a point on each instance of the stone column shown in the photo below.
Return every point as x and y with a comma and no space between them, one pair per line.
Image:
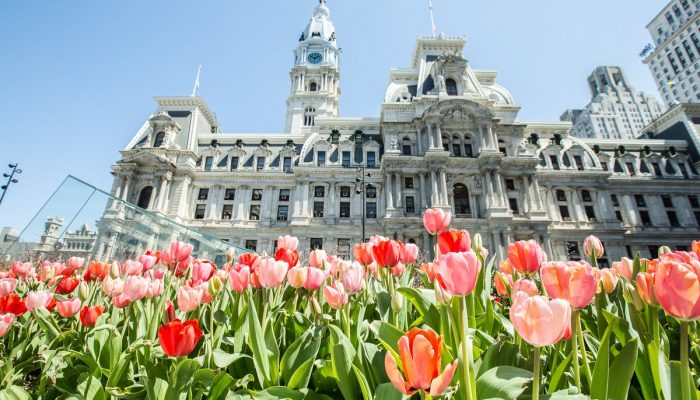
399,194
389,194
527,200
434,197
431,138
535,187
423,200
165,207
481,142
603,206
685,214
162,194
212,202
268,195
305,193
576,205
443,184
488,189
439,137
128,181
492,136
419,141
241,196
332,197
426,244
501,189
553,205
497,245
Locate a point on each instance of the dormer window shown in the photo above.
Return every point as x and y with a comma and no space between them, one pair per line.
451,87
313,87
160,139
371,159
261,163
208,163
321,158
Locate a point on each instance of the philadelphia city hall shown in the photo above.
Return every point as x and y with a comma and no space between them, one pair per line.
447,136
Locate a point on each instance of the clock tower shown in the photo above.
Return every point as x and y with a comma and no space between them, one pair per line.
315,75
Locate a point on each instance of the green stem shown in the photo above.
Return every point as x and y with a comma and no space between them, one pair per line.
465,350
655,323
127,309
582,343
574,349
536,375
346,320
211,334
685,371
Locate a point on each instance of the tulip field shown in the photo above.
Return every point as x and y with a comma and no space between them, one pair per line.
387,323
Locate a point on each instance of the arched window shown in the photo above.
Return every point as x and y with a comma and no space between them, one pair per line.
502,147
451,87
160,138
313,87
456,146
468,148
145,197
461,200
445,143
309,116
406,148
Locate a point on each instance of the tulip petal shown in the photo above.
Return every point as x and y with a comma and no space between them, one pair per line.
424,368
392,371
443,381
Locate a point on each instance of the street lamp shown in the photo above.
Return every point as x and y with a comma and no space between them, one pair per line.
10,179
361,189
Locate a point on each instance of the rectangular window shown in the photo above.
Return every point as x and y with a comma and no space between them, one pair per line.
208,162
346,159
697,217
644,215
371,159
287,164
407,149
693,199
261,163
668,203
251,245
199,211
371,210
371,192
456,150
561,196
653,250
344,247
316,244
586,196
227,212
590,213
345,191
657,169
669,17
203,194
510,184
579,163
257,195
319,191
639,199
318,209
321,158
408,183
615,202
284,195
230,194
513,205
410,205
344,209
468,151
673,218
604,165
630,168
564,211
555,162
618,214
572,251
234,163
254,212
282,213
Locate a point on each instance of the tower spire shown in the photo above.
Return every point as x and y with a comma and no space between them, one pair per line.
432,18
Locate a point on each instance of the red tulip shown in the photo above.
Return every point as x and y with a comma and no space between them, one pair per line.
249,259
457,272
541,322
503,283
526,256
89,315
454,241
387,253
96,270
179,338
420,351
677,288
67,285
435,220
12,304
571,281
363,253
291,257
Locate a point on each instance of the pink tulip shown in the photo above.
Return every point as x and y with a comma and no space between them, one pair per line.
410,253
148,261
435,220
572,281
608,279
314,279
135,288
68,308
7,286
202,271
525,285
287,242
189,298
677,288
6,321
398,269
272,272
297,276
155,288
353,278
526,256
363,253
207,297
430,270
157,273
180,251
317,258
503,283
40,299
593,247
539,321
376,239
47,272
335,295
112,287
21,269
76,263
645,288
131,268
239,279
165,258
457,272
624,268
120,301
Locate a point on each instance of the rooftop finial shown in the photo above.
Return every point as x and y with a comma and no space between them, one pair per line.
432,19
323,2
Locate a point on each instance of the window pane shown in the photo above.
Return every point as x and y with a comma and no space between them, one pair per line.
410,205
319,191
316,243
346,159
371,192
318,209
257,195
251,245
371,210
203,194
282,213
284,195
287,164
234,163
321,161
208,162
254,212
230,194
344,210
227,212
407,149
371,158
199,211
344,191
261,163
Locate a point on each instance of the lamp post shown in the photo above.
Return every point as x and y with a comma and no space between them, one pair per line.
10,179
360,180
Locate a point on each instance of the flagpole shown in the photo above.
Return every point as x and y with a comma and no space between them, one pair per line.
196,82
432,18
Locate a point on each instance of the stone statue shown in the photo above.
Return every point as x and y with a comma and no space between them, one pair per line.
394,144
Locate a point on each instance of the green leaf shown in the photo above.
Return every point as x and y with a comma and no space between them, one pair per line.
364,385
181,378
599,388
47,323
621,371
502,383
387,391
223,359
342,356
256,341
301,376
302,350
388,335
220,386
119,371
91,388
14,393
554,382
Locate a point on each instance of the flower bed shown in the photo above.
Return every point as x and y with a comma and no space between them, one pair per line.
167,326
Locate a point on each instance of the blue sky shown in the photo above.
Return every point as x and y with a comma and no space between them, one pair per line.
78,77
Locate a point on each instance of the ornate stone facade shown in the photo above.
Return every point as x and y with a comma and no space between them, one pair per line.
447,136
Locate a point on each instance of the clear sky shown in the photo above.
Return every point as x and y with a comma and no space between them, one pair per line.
78,77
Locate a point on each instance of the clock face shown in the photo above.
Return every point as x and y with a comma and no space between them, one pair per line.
315,58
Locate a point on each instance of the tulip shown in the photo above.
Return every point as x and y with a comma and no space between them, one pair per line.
314,279
696,248
6,321
202,271
435,220
66,285
272,272
148,261
421,352
457,272
178,338
503,283
645,288
677,288
506,267
230,254
363,253
291,257
239,279
89,315
115,270
571,281
387,253
430,270
297,277
593,247
624,268
484,253
182,266
376,239
168,312
158,273
68,308
39,299
249,259
525,285
539,321
165,258
112,287
441,294
83,291
135,288
155,288
608,278
317,258
132,268
335,295
75,263
526,256
663,250
47,272
7,286
188,298
96,270
180,251
678,256
287,242
21,269
477,243
12,304
214,285
120,301
454,241
410,253
353,278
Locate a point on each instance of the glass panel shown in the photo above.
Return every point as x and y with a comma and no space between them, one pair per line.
81,220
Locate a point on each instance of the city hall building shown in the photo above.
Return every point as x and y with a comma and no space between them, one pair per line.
447,136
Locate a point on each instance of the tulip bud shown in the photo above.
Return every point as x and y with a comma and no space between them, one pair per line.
477,243
316,306
169,314
440,294
396,301
230,254
83,291
114,272
664,250
215,285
